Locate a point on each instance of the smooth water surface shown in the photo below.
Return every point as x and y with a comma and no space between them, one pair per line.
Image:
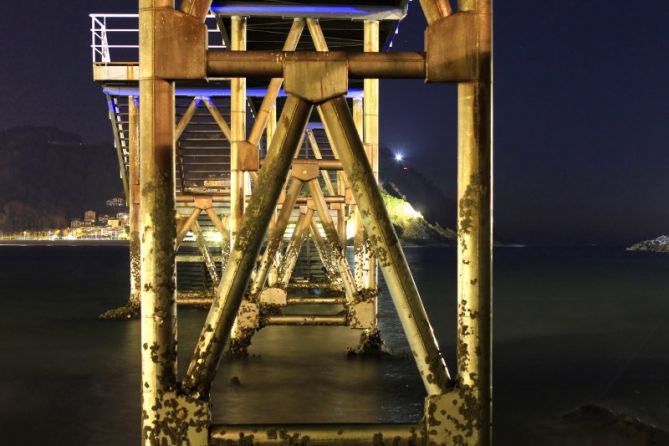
572,327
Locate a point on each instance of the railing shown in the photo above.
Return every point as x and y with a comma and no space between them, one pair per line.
115,38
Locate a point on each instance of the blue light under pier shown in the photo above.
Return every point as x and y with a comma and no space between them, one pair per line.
351,10
212,92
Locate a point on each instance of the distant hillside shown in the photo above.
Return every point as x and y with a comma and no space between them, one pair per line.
48,176
423,195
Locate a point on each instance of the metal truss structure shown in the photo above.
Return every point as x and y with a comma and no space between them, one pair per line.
252,206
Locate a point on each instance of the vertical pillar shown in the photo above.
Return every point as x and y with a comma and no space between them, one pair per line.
359,257
133,202
475,230
168,418
238,130
370,135
157,223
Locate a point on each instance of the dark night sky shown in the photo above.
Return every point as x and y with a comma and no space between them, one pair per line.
581,126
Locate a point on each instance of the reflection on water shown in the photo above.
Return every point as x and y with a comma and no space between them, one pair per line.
571,327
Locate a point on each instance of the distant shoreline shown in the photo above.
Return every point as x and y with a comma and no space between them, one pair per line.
64,242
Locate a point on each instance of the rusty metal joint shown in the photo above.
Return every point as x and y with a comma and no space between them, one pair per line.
316,82
454,45
179,46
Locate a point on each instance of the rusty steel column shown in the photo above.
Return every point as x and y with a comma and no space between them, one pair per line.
237,130
133,203
235,279
156,132
370,136
475,230
386,246
359,257
276,235
162,423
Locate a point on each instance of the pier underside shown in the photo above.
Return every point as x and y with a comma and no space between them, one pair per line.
247,136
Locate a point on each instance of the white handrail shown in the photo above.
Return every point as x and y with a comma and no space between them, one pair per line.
123,36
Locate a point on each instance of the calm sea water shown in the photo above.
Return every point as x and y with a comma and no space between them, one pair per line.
572,327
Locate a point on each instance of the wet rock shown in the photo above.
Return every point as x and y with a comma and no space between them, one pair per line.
660,244
121,313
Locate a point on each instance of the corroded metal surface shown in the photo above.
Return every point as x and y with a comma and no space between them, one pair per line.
294,247
133,203
395,65
410,434
306,319
474,247
333,240
166,415
269,101
386,246
172,46
237,129
276,236
370,134
325,255
234,281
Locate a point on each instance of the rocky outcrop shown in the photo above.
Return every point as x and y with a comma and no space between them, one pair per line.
410,225
660,244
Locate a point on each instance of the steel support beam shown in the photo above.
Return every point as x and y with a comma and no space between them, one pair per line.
271,179
325,255
320,434
306,319
386,246
268,64
319,156
269,101
360,253
168,417
435,9
370,134
133,202
218,118
475,230
332,237
238,130
196,8
294,247
186,118
186,225
206,255
464,414
118,145
276,236
156,131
